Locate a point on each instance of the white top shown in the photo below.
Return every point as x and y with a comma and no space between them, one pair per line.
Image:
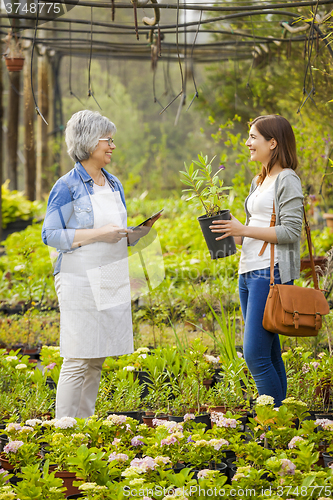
260,207
100,189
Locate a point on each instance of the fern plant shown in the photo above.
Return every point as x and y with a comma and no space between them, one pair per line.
205,188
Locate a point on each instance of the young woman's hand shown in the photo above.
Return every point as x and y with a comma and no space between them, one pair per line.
228,227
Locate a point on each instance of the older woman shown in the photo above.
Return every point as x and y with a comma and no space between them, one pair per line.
86,221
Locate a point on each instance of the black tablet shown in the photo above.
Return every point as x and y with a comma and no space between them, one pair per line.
149,218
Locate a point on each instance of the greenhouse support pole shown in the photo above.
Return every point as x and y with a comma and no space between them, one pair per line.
42,171
1,137
13,123
29,134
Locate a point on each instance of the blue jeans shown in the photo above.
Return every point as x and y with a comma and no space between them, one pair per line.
262,350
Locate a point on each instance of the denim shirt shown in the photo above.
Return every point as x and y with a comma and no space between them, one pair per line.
69,208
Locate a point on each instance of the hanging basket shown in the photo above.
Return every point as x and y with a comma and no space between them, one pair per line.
14,64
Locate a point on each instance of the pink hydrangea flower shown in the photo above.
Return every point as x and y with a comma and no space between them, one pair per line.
221,421
189,416
169,440
50,366
288,467
144,464
116,441
305,368
13,446
121,457
325,423
158,421
136,441
293,441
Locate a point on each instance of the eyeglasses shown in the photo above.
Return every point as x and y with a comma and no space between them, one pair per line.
109,139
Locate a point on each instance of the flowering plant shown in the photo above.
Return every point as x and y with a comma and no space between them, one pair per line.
60,447
20,454
205,188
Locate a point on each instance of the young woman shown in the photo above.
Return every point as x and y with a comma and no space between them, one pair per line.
272,143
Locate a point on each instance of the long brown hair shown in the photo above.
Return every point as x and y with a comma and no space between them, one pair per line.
278,128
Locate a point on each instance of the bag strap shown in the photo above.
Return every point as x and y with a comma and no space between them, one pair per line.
308,237
309,241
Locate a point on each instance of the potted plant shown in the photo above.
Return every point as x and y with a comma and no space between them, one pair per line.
207,190
13,54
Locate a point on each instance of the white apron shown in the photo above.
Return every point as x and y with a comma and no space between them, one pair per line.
95,297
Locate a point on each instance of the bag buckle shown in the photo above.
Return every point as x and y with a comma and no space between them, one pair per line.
296,319
318,321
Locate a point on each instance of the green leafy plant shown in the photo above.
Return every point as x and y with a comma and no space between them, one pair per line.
16,206
206,188
38,483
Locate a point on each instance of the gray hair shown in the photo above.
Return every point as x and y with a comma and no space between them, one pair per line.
83,131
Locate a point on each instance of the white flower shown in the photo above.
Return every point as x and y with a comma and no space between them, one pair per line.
129,368
19,267
13,426
265,400
10,358
65,423
142,349
212,359
26,429
117,419
218,443
49,423
21,366
137,481
162,460
206,473
34,421
91,487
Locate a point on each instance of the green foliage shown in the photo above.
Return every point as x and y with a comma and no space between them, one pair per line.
25,269
205,187
16,206
39,484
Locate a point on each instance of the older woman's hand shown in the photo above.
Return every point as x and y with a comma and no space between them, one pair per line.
111,233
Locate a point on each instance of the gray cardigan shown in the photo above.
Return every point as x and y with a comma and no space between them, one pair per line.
289,218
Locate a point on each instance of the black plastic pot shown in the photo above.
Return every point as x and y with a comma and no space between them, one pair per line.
15,226
203,418
221,248
327,459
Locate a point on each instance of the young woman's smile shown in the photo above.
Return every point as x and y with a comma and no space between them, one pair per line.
260,149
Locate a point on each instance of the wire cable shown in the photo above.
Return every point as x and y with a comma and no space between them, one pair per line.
31,68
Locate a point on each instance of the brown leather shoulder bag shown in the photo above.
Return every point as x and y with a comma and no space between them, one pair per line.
294,310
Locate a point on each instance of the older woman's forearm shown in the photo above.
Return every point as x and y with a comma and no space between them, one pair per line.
109,233
85,237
